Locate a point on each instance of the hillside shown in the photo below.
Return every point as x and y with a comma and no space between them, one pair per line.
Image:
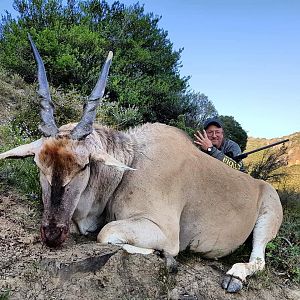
293,146
293,155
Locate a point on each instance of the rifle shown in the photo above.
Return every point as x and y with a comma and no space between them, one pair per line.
244,155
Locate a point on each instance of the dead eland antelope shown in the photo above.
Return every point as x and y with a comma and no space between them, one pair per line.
147,188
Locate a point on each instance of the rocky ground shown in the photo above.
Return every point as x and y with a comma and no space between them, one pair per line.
82,269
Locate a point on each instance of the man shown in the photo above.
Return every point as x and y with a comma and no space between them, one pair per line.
212,142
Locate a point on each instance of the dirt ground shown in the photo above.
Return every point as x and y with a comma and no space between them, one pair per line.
83,269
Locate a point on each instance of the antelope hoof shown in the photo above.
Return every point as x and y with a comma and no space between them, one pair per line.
170,261
232,284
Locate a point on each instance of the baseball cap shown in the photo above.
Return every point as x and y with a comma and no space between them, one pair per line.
212,121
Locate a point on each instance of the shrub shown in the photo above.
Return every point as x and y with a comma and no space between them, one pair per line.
269,167
67,108
74,37
112,114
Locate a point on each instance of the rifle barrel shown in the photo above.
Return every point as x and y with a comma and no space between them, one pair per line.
243,155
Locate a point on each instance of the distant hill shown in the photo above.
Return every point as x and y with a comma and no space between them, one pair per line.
293,146
293,151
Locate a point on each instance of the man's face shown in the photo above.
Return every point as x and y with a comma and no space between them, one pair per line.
215,134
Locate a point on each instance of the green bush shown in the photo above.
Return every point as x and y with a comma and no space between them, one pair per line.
19,173
67,108
74,38
114,115
234,131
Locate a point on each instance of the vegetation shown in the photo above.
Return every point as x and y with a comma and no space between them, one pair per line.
234,131
269,167
278,164
283,253
74,40
201,109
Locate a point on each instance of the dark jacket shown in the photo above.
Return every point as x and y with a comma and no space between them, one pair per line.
229,149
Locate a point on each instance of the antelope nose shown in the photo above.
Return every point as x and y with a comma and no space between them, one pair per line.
53,235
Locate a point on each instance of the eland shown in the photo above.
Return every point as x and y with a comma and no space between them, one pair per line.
145,189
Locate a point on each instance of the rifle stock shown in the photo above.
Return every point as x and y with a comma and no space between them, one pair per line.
244,155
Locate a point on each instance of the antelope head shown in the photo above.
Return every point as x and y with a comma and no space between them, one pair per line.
63,155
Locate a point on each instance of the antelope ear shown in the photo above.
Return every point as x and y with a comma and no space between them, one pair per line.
109,160
23,150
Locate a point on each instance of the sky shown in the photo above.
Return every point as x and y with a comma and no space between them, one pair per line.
243,54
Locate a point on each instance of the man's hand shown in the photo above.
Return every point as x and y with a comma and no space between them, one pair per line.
202,140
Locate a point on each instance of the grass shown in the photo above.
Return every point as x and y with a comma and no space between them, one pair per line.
283,253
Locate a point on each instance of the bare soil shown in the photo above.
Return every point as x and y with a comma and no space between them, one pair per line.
83,269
